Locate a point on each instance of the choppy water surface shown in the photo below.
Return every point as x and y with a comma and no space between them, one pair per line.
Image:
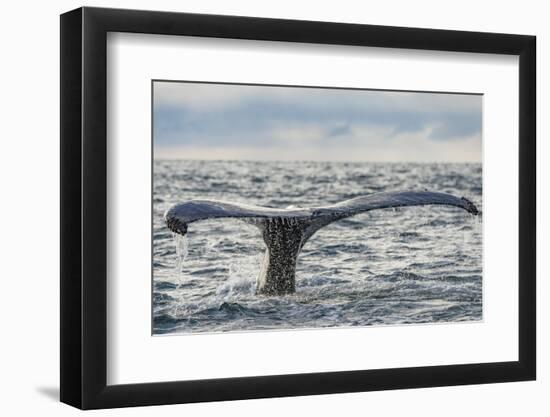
392,266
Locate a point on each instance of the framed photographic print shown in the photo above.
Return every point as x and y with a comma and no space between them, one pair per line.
259,207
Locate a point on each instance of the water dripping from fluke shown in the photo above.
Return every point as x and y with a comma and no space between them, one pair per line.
182,250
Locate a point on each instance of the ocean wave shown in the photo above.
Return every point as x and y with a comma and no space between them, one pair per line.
387,267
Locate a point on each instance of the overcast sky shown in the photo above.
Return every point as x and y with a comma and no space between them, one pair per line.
223,121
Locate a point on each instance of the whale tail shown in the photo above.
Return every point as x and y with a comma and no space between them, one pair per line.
285,231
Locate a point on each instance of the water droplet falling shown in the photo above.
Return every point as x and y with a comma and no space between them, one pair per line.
182,249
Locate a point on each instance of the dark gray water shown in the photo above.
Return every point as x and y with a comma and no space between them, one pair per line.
383,267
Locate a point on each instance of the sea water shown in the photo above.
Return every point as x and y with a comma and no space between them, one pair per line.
383,267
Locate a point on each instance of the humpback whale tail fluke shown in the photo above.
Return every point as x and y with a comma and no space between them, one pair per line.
285,231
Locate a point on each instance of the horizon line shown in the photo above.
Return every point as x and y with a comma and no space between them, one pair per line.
318,160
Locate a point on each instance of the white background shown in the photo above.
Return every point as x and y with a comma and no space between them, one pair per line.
134,356
30,126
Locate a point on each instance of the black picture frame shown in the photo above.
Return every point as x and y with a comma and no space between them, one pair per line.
84,207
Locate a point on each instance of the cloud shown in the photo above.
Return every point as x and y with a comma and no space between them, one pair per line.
214,117
342,130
